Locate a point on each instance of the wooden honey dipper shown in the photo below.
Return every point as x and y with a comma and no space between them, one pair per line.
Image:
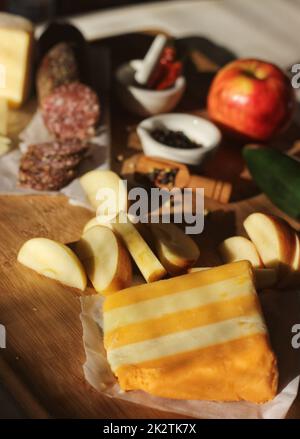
215,189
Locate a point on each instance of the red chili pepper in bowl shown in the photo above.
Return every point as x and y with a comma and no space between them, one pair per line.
174,71
166,71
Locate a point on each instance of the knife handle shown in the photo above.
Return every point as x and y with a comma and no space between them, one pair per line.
215,189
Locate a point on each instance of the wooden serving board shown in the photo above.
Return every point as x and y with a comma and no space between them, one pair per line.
42,364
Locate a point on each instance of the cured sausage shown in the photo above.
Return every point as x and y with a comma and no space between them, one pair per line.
70,109
58,67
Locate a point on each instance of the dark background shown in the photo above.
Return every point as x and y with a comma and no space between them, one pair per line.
40,10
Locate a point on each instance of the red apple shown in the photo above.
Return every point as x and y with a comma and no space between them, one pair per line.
251,97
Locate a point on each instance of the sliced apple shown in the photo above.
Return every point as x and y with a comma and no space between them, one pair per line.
95,222
93,181
264,277
296,260
274,240
106,261
145,259
176,250
55,260
238,248
292,279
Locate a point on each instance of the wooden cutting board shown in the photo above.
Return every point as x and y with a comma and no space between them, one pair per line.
42,364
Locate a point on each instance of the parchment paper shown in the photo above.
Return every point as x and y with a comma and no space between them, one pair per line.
281,309
36,132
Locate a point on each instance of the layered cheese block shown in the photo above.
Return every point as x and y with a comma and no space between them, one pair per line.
16,43
196,336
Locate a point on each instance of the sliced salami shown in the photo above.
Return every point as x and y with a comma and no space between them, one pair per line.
30,162
71,112
57,148
46,181
51,165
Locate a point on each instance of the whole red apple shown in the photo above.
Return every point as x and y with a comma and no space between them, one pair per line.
251,97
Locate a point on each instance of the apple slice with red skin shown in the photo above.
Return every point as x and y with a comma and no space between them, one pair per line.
106,261
238,248
292,279
296,261
274,240
176,250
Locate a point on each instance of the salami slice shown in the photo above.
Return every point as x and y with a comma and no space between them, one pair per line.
51,165
31,162
71,112
57,148
58,67
46,180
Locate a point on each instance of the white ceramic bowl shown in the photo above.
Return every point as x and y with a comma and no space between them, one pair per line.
196,128
145,102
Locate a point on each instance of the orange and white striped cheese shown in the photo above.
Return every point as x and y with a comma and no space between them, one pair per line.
197,336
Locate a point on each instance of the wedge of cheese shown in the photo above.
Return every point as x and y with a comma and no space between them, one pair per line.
197,336
16,42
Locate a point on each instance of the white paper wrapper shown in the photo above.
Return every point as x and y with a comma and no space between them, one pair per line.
281,310
36,132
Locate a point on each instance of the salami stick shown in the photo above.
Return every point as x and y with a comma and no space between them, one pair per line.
58,67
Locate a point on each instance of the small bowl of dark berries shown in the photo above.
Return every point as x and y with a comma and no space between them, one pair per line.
183,138
151,86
